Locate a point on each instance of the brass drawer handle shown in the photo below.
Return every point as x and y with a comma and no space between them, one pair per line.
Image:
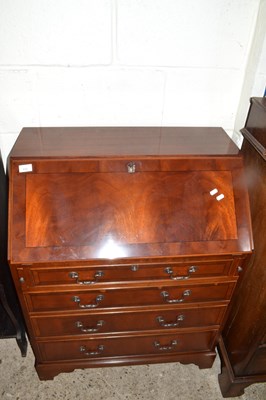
191,270
97,275
99,324
131,167
171,346
164,324
98,299
89,353
165,296
239,269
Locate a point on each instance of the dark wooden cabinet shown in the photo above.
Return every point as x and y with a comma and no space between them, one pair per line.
11,320
125,244
243,344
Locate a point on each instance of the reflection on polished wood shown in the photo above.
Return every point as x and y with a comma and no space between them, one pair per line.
122,142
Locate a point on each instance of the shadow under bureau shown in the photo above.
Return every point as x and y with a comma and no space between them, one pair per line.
125,244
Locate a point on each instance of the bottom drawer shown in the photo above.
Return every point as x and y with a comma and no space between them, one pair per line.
127,346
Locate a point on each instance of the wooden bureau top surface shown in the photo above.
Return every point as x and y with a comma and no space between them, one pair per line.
122,141
74,199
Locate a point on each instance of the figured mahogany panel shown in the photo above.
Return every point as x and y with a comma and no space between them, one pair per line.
166,208
128,208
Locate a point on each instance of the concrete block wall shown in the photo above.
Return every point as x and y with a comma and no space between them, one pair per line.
254,80
260,81
259,68
122,62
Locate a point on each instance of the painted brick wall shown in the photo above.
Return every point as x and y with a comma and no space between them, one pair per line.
122,62
259,83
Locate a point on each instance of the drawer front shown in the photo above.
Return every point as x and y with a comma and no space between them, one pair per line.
127,346
97,323
87,300
88,276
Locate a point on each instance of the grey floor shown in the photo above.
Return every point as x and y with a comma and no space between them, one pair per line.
19,381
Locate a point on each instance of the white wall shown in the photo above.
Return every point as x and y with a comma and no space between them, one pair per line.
259,84
254,80
259,77
122,62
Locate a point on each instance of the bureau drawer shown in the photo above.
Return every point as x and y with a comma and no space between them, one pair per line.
127,346
40,276
98,323
84,300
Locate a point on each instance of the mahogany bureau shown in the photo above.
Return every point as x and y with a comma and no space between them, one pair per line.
125,244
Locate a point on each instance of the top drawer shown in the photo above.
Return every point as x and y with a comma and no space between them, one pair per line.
105,274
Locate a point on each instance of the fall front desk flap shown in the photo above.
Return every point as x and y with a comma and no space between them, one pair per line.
71,207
